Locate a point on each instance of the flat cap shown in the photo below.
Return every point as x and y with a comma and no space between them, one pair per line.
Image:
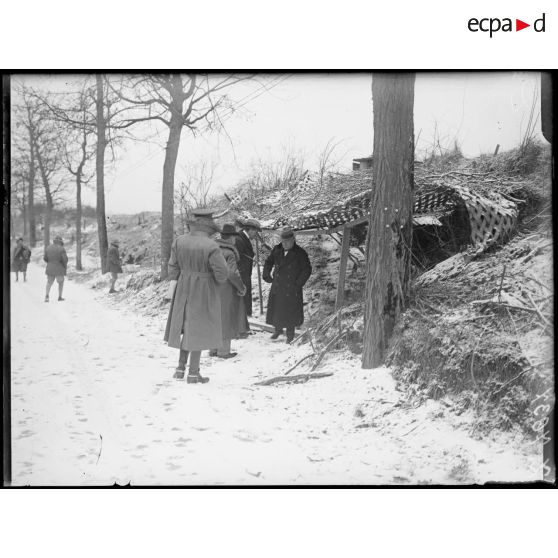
286,233
252,223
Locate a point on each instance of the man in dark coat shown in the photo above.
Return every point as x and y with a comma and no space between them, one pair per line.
292,270
57,264
196,269
233,315
243,244
114,264
21,258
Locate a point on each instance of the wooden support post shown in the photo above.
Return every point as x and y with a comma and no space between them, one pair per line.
343,267
259,274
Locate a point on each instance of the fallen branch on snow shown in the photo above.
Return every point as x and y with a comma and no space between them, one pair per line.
293,379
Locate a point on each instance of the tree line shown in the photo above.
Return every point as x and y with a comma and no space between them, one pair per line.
61,139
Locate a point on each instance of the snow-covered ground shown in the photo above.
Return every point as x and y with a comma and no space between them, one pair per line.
94,402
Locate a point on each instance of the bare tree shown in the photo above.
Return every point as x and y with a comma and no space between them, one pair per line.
24,128
48,150
194,190
101,115
19,184
329,159
179,101
388,249
77,151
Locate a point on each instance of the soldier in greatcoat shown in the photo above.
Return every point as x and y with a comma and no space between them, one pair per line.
287,268
114,264
20,259
57,264
196,269
233,314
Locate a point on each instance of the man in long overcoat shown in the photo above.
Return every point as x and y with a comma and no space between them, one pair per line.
243,244
20,259
196,269
57,264
114,264
233,315
291,271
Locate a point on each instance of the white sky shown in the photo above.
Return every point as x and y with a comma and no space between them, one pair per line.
304,111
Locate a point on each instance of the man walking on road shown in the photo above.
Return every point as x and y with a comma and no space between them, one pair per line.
196,268
292,270
21,258
57,263
114,264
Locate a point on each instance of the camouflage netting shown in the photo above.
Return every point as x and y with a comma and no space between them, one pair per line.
314,204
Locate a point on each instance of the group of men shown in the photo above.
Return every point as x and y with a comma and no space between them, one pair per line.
55,257
210,286
211,289
56,260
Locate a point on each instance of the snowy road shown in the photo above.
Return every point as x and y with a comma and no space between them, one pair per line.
94,402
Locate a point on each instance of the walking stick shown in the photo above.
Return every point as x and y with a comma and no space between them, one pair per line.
259,273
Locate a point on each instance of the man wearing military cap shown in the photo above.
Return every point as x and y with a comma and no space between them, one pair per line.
196,268
243,244
57,263
291,269
114,263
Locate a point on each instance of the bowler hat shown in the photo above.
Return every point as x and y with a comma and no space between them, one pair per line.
287,233
228,228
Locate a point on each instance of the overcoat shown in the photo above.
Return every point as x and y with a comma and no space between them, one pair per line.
245,265
113,259
233,312
285,304
56,259
21,257
198,266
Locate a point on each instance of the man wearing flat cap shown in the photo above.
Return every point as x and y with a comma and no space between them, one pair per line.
287,269
114,264
57,263
196,269
243,244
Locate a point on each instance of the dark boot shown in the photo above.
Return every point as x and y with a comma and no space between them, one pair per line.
290,335
194,377
178,374
46,298
276,333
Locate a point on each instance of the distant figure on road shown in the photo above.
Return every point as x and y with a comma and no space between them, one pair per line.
196,268
233,314
57,264
114,264
243,243
20,258
292,270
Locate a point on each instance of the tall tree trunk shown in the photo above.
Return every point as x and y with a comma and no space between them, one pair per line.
24,215
388,251
48,197
48,219
78,222
100,171
167,213
31,194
